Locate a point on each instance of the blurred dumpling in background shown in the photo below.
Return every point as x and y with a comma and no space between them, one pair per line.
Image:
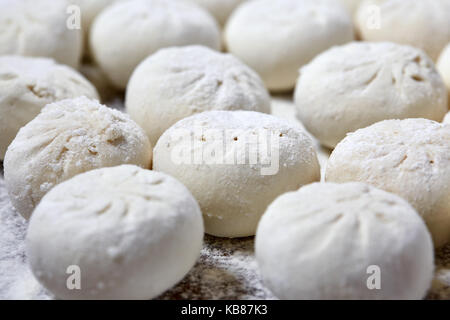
127,32
276,38
220,9
421,23
39,28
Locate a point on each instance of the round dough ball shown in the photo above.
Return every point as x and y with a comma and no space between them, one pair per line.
133,234
220,9
175,83
326,241
67,138
355,85
141,27
424,24
410,158
235,163
276,38
443,66
27,85
39,28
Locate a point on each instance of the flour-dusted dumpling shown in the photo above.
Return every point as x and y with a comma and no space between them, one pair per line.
443,66
27,85
424,24
235,163
276,38
127,32
175,83
410,158
39,28
344,241
67,138
220,9
130,233
355,85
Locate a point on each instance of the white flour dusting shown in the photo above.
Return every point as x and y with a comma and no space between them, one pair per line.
16,280
227,268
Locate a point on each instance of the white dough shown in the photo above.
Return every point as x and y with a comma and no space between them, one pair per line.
127,32
355,85
220,9
424,24
232,188
410,158
276,38
67,138
39,28
443,66
177,82
27,85
133,233
326,240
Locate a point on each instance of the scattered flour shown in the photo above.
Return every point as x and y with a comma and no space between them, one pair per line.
16,280
226,269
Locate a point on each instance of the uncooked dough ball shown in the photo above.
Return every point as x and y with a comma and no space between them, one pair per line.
410,158
355,85
276,38
443,66
344,241
39,28
177,82
27,85
67,138
220,9
131,233
423,24
235,163
127,32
